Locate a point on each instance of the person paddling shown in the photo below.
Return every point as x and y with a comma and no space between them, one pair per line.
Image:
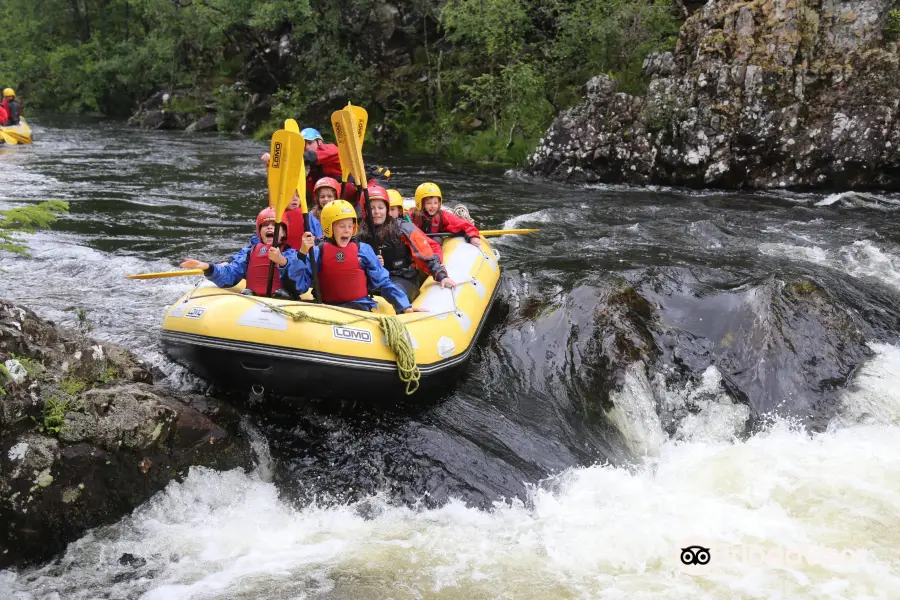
252,263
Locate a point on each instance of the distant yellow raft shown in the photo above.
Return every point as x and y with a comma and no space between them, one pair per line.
239,342
16,134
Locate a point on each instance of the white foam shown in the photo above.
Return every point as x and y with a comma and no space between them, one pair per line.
598,532
859,259
874,396
545,215
831,199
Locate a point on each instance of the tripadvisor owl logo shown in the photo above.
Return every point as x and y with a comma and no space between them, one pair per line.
695,555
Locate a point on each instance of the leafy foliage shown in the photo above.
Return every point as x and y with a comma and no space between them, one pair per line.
485,80
27,219
892,27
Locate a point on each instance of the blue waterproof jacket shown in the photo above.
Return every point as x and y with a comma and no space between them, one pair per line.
379,278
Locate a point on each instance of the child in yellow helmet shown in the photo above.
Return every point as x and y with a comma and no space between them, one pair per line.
396,209
430,217
11,106
346,268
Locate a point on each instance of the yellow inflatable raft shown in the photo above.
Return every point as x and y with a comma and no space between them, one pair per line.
305,349
16,134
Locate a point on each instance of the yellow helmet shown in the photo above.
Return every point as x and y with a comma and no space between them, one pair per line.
396,199
335,211
425,190
9,93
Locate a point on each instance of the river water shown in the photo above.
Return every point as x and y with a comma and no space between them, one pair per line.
666,369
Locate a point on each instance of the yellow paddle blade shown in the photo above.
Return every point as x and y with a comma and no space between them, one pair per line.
495,232
362,119
354,152
341,140
8,139
166,274
291,125
285,167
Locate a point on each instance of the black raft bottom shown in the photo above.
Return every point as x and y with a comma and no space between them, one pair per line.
236,371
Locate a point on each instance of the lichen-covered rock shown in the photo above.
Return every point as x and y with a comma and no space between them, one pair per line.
86,438
770,93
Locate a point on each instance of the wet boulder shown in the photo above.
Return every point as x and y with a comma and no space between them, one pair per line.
756,94
86,437
785,345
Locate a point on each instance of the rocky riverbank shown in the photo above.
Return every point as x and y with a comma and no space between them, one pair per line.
85,436
761,94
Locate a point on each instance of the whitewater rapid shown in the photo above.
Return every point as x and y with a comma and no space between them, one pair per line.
785,514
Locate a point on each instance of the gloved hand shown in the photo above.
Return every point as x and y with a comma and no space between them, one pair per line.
379,173
310,157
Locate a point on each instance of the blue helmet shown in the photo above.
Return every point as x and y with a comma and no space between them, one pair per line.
311,134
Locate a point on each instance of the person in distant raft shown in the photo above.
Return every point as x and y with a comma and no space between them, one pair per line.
402,247
252,263
346,268
11,106
430,217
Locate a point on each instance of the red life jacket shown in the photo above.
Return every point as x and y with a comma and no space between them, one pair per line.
294,220
4,114
257,276
429,224
341,278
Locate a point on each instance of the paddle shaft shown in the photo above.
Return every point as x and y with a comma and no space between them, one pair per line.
486,233
271,264
166,274
314,267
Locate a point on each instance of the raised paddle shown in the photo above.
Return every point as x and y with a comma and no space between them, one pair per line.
486,232
285,168
344,125
291,125
166,274
360,120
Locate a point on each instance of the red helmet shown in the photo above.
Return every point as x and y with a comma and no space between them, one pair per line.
376,192
267,215
327,182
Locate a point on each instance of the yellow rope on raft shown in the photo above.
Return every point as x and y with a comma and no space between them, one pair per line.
395,334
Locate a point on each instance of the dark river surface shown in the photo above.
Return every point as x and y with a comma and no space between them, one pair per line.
664,368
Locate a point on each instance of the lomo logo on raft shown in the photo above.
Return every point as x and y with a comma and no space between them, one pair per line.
196,312
276,156
349,333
